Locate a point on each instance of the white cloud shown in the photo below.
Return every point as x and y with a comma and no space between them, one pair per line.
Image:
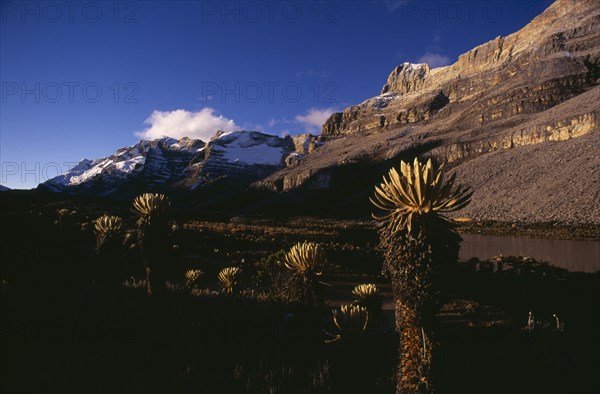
435,59
315,117
253,127
180,123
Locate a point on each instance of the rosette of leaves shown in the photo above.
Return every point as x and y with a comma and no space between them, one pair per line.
305,261
192,277
229,280
369,296
106,229
350,322
305,258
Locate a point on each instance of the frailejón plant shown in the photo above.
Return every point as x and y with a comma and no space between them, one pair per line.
350,322
229,280
153,238
419,242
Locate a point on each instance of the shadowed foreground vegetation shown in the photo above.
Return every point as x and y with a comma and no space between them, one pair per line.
62,330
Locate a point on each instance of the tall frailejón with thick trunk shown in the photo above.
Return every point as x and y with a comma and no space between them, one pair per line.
153,237
419,243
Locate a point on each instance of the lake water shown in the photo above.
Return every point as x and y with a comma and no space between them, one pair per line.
580,256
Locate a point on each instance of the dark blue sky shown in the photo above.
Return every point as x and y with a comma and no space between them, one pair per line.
81,79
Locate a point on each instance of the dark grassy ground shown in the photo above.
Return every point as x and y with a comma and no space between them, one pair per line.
60,332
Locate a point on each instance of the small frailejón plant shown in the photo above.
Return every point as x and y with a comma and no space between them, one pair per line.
305,261
369,296
350,322
110,249
192,277
62,214
418,241
153,238
229,280
106,228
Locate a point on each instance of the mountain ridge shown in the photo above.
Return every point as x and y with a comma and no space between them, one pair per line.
169,164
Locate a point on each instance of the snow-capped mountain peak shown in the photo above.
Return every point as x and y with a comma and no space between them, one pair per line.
184,164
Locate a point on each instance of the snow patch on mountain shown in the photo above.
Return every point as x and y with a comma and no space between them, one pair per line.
130,165
65,179
383,100
125,161
251,148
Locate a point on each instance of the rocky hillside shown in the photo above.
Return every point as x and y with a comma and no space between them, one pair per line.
517,117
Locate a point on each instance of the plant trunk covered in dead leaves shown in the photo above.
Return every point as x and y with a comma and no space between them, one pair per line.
416,263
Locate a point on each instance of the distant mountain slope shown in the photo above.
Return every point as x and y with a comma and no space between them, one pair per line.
151,163
172,165
3,188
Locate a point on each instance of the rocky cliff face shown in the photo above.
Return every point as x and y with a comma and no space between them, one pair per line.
406,78
554,58
537,87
